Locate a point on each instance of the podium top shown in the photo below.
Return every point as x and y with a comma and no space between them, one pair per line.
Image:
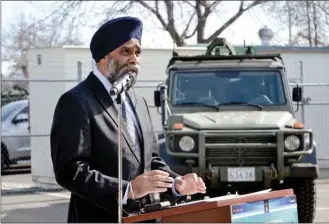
207,204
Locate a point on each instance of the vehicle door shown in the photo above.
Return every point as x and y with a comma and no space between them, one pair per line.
20,128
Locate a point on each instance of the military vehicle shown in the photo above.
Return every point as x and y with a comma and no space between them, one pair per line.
230,118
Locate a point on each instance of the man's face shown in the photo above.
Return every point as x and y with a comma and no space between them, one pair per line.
123,59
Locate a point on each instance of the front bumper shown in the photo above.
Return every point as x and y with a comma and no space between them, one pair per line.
265,174
256,148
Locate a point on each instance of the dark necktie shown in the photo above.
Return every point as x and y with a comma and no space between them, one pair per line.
131,122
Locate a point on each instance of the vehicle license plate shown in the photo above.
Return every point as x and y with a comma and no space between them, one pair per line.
241,174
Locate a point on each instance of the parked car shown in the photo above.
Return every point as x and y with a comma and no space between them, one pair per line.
15,139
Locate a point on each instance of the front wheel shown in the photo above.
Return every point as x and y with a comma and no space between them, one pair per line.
305,191
4,157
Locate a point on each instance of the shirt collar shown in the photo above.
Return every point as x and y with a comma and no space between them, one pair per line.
106,83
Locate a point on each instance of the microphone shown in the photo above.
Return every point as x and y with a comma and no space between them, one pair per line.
123,83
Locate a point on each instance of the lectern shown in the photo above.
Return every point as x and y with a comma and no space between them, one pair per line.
255,207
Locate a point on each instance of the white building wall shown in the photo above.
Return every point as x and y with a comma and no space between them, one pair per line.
315,115
43,96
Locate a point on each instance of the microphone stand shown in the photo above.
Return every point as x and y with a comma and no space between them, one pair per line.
119,89
120,99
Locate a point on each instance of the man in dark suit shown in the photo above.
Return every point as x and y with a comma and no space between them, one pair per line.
84,136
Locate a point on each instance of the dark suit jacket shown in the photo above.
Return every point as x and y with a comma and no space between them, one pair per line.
84,151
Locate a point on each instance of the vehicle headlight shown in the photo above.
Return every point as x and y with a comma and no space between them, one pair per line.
292,143
186,143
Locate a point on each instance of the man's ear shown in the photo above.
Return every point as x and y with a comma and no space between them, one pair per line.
105,59
102,62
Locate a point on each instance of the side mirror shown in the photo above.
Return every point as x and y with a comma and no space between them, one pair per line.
297,94
21,118
157,98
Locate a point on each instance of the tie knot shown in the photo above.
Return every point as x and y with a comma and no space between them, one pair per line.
124,97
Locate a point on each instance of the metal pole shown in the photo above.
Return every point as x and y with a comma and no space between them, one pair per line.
92,65
302,81
80,63
119,102
289,22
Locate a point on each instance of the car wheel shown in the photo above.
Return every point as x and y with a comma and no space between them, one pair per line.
4,157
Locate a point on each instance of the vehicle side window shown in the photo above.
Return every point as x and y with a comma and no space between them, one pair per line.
24,111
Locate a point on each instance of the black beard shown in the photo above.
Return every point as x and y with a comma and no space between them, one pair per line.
119,71
113,76
111,79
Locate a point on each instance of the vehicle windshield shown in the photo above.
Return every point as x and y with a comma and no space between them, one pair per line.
225,87
7,110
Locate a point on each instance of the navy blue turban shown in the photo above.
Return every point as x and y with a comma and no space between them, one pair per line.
113,34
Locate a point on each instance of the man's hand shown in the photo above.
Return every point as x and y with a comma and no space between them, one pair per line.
154,181
190,184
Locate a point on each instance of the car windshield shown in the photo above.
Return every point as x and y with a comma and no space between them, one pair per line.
228,87
7,110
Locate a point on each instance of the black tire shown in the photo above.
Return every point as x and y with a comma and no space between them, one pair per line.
2,162
4,157
305,191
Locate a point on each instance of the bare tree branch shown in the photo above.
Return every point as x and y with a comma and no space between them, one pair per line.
184,34
155,12
189,3
307,21
232,19
27,33
315,24
171,23
322,7
186,20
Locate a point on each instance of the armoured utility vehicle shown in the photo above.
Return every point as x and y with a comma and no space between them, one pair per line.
230,118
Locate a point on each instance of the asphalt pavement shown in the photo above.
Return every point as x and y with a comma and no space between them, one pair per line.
51,207
35,207
23,202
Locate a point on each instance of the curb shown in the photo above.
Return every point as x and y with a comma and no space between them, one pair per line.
41,189
322,181
28,190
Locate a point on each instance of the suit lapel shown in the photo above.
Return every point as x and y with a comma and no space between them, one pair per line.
111,109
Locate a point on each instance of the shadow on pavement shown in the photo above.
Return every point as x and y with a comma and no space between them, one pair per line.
51,213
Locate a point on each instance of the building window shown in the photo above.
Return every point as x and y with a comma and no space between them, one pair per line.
39,59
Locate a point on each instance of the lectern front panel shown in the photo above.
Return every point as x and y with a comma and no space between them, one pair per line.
215,215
